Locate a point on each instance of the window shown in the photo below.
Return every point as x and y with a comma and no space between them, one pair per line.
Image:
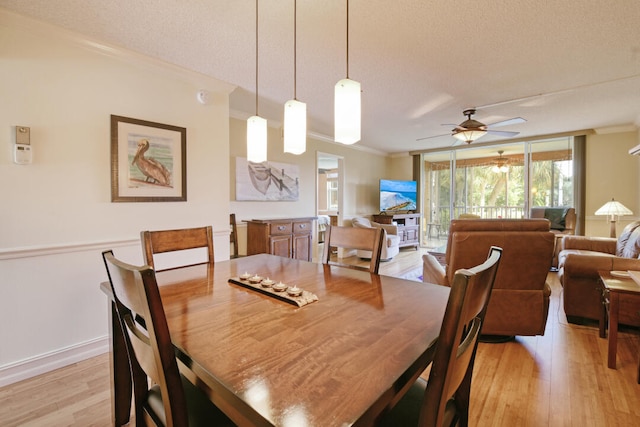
501,181
332,191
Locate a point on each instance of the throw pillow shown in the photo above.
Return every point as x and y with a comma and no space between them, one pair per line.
556,217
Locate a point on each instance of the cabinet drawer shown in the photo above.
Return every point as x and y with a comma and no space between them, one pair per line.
302,227
411,221
280,228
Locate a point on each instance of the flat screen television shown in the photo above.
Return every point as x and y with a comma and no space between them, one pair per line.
396,195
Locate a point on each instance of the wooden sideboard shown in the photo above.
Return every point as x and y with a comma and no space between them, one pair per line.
285,237
408,227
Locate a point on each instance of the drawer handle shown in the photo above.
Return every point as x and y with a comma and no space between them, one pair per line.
303,225
281,227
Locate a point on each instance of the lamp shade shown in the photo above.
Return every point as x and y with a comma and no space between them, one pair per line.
347,111
469,135
501,164
500,169
295,127
256,139
613,209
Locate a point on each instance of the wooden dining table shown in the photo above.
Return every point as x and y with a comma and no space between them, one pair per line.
337,361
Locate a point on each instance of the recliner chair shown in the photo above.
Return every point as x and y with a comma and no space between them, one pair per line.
519,303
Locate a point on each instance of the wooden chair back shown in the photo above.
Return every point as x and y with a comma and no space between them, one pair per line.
450,376
369,239
162,241
151,352
233,236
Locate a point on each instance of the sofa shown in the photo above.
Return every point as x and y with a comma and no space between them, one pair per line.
519,303
391,247
579,261
562,222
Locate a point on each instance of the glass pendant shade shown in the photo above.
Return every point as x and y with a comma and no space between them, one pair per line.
469,135
256,139
347,111
295,127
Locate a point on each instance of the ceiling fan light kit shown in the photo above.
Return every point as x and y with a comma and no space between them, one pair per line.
471,130
501,164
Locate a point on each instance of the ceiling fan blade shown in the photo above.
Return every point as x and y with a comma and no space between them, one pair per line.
434,136
512,121
502,132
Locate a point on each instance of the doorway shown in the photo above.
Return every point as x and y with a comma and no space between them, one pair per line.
329,192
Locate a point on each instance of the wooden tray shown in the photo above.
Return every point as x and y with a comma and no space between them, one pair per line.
301,300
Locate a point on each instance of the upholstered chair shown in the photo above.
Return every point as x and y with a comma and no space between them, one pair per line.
391,246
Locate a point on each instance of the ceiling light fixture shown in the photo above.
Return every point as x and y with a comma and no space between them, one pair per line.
501,164
470,130
295,112
256,125
347,108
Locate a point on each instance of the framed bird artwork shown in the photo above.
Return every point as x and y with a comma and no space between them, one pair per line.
148,161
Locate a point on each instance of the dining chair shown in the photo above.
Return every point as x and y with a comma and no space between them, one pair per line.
172,400
162,241
369,239
443,400
233,235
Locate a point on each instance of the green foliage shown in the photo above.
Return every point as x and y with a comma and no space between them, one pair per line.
492,194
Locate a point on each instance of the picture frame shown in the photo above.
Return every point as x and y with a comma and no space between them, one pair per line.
267,181
148,161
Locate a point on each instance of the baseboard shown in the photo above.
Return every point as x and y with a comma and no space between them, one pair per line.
32,367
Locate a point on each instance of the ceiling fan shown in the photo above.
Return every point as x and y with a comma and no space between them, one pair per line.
471,130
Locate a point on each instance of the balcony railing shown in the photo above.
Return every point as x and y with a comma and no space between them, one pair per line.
442,215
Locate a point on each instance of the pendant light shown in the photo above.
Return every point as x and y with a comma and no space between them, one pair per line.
347,108
256,125
295,112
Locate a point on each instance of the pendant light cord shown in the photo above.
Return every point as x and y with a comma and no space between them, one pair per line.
295,48
347,38
256,57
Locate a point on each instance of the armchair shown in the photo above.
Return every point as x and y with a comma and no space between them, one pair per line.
391,240
579,261
562,222
562,219
519,303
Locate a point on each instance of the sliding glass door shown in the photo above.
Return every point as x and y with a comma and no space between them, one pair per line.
501,181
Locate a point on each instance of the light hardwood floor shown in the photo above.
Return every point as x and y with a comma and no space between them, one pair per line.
559,379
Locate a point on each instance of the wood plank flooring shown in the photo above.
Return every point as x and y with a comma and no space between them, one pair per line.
559,379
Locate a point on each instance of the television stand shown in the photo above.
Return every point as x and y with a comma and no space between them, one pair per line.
408,226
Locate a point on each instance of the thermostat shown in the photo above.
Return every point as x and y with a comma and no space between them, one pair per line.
21,145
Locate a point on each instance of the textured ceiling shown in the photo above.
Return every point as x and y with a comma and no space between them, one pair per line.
562,65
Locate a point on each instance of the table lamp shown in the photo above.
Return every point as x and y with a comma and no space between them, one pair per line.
613,210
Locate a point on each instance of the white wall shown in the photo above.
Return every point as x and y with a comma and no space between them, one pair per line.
363,170
56,214
611,172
